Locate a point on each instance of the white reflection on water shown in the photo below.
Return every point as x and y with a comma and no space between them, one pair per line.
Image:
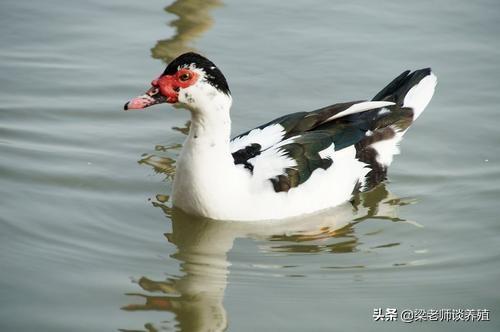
196,298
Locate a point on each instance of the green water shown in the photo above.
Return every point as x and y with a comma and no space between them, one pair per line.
88,241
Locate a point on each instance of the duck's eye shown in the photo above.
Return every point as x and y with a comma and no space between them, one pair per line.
184,77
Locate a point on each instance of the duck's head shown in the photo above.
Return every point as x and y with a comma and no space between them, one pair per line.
190,79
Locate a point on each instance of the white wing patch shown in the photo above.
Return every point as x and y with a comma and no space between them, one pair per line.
420,95
383,111
360,107
327,153
266,137
388,148
271,163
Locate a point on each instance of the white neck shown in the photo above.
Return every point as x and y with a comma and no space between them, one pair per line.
205,163
211,123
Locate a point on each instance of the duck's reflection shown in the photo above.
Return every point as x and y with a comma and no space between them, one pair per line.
196,298
378,203
193,19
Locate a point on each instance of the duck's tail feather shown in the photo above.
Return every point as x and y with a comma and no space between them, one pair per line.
410,90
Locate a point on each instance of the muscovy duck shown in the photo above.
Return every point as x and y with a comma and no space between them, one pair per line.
297,164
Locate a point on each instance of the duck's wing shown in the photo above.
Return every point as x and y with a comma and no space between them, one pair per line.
287,150
290,125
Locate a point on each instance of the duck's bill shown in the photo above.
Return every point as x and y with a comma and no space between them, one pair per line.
150,98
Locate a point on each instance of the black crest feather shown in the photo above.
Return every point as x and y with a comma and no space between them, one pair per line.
213,74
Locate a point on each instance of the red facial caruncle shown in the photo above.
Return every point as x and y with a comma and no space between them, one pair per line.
170,85
164,89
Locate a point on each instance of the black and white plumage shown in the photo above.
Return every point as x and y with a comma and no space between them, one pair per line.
296,164
358,123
